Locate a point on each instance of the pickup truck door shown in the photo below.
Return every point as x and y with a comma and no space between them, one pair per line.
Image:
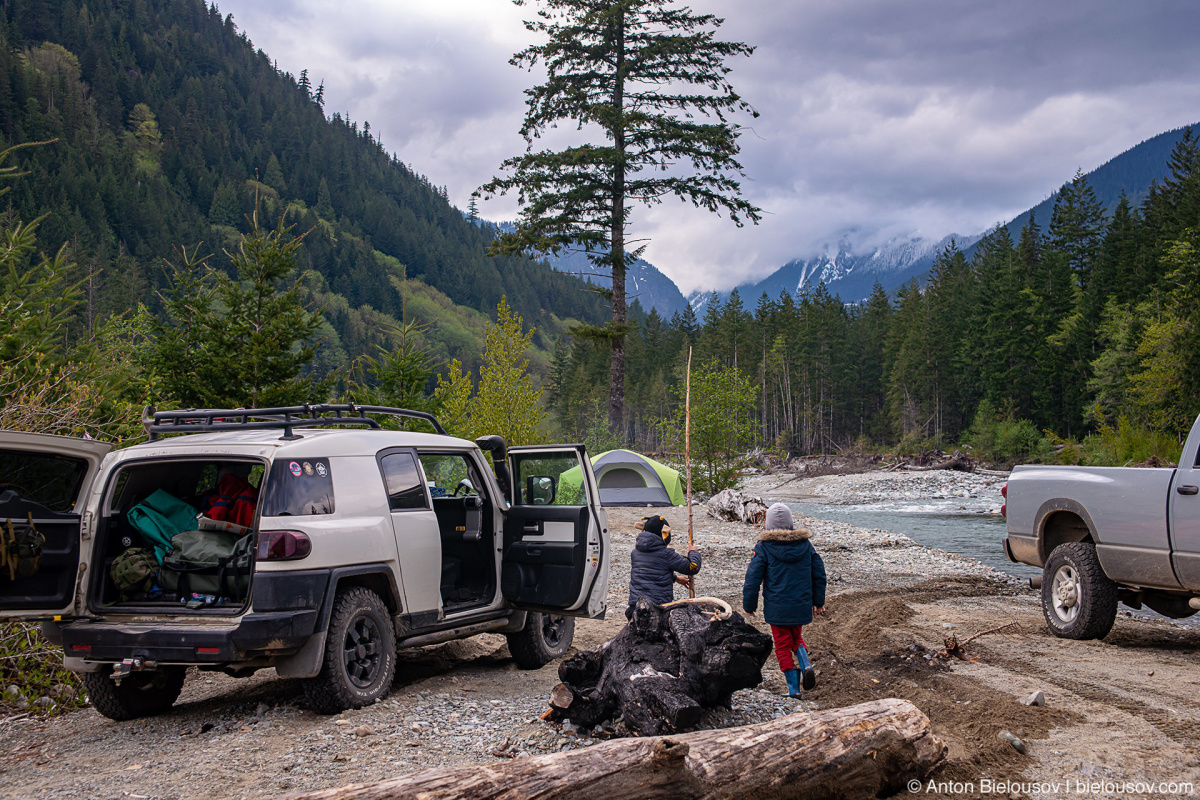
556,549
47,479
1183,504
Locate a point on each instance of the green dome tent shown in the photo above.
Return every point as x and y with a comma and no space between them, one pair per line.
631,479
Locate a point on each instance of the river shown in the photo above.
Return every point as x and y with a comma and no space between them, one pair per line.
968,526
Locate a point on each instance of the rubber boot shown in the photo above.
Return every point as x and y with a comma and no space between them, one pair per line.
810,675
793,681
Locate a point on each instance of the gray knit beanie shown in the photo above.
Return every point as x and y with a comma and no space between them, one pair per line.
779,518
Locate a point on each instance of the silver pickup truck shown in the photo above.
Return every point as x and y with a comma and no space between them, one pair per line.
1104,535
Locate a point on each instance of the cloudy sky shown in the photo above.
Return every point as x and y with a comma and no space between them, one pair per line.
879,118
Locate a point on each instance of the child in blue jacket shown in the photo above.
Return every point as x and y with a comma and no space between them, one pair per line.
653,564
792,575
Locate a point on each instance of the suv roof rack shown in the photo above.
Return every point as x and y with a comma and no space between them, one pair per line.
286,418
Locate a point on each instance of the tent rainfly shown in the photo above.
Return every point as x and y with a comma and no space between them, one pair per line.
631,479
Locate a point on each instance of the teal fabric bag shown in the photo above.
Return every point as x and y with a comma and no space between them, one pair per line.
159,517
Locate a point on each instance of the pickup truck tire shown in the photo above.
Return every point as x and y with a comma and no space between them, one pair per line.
544,638
1078,600
360,654
139,694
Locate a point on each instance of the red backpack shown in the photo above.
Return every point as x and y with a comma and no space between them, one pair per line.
234,501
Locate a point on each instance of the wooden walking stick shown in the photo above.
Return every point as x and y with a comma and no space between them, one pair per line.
687,454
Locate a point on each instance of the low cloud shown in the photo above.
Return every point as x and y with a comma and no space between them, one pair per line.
879,118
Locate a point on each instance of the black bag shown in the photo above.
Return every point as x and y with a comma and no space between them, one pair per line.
21,548
208,562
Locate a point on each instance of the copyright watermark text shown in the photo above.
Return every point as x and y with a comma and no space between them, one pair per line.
1063,787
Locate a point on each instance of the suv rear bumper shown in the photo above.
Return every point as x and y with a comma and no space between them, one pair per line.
286,613
254,635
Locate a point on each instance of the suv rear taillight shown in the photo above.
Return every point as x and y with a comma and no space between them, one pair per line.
1004,506
283,545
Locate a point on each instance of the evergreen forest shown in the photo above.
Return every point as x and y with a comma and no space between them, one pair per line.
168,128
186,206
1085,328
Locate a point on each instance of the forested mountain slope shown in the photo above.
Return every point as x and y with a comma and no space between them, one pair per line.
171,126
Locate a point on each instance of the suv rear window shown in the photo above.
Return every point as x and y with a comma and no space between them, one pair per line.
48,480
299,487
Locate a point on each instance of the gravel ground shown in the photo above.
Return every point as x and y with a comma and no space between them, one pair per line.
891,603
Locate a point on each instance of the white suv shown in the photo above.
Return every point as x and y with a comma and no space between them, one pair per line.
365,541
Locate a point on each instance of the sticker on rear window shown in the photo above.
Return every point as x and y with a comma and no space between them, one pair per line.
304,488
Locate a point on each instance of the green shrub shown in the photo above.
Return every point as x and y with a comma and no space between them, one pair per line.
1001,439
34,667
1127,444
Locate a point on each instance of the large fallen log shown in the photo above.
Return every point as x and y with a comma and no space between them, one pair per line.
662,670
863,751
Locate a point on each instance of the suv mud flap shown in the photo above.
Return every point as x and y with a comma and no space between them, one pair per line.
306,662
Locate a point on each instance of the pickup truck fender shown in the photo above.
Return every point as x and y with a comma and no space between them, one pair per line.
1053,527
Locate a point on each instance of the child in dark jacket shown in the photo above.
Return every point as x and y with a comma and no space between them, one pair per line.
653,564
792,575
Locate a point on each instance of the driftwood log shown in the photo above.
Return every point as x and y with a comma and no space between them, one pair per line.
732,505
662,670
863,751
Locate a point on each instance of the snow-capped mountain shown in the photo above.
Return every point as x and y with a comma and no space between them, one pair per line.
845,273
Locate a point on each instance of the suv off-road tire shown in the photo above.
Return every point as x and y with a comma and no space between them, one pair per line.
544,638
360,654
139,694
1078,600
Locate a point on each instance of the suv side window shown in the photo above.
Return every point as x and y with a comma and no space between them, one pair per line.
405,487
554,480
299,487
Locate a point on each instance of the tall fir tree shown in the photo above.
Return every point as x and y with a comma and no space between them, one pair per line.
652,77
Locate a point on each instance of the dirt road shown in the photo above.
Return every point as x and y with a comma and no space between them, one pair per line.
1125,709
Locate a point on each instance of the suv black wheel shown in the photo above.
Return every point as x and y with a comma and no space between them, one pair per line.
360,654
544,638
1078,600
139,694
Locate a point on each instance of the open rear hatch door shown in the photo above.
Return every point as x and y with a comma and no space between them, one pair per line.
556,548
44,479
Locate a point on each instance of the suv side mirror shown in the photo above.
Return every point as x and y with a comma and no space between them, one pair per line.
539,490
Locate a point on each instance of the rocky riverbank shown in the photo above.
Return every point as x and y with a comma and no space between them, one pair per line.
875,487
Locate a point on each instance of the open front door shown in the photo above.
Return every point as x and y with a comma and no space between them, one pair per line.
46,479
556,548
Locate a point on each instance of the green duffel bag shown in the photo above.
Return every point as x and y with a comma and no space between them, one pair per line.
209,563
133,571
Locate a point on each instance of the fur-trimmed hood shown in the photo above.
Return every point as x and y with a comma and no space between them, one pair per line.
797,535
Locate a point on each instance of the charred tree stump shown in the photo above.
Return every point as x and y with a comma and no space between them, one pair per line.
661,671
863,751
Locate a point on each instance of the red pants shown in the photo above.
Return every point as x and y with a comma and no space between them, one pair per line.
788,639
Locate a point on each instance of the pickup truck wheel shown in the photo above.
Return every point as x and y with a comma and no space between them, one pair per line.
139,694
360,654
544,638
1078,600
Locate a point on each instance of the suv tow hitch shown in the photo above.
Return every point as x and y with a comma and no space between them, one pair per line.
128,665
